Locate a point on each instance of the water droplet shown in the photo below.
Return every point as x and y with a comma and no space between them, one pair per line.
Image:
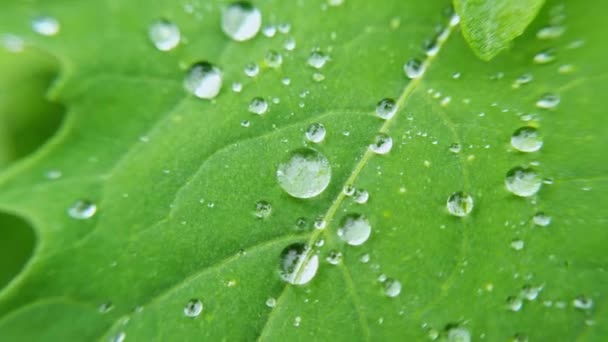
544,57
290,44
241,21
514,303
53,174
237,87
382,144
548,101
355,229
193,308
317,59
460,204
263,209
297,321
361,196
364,258
164,35
523,182
305,174
258,106
203,80
120,337
82,210
46,26
105,307
318,77
386,108
12,43
334,257
316,133
526,139
320,224
414,68
582,303
273,59
301,223
392,287
531,292
252,69
271,302
284,28
295,266
541,219
458,334
269,31
550,32
335,3
520,338
517,244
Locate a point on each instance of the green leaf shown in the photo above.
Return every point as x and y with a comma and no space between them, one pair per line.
491,25
177,181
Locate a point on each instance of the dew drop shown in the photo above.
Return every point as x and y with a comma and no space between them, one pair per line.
514,303
550,32
355,229
382,144
258,106
164,35
582,303
523,182
315,133
392,287
526,139
82,209
386,108
414,68
348,190
273,59
517,244
531,292
320,224
237,87
317,59
120,337
269,31
203,80
455,148
295,267
12,43
252,69
364,258
46,26
460,204
271,302
541,219
334,257
305,174
544,57
335,3
193,308
263,209
361,196
290,44
241,21
548,101
458,334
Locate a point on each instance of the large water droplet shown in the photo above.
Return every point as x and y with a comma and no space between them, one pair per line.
295,266
382,144
203,80
386,108
164,35
526,139
46,26
258,106
523,182
82,210
414,68
316,133
392,287
305,174
193,308
460,204
355,229
241,21
548,101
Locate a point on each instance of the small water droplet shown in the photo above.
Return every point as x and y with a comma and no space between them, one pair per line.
318,77
252,69
364,258
46,26
334,257
317,59
520,338
517,244
355,229
582,303
530,292
458,334
105,307
386,108
273,59
237,87
258,106
295,266
455,148
297,321
541,219
315,133
548,101
514,303
544,57
241,21
414,68
526,139
392,287
269,31
271,302
286,81
348,190
361,196
120,337
523,182
382,144
290,44
335,3
12,43
320,224
305,174
301,223
53,174
203,80
550,32
193,308
82,209
263,209
284,28
460,204
164,35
